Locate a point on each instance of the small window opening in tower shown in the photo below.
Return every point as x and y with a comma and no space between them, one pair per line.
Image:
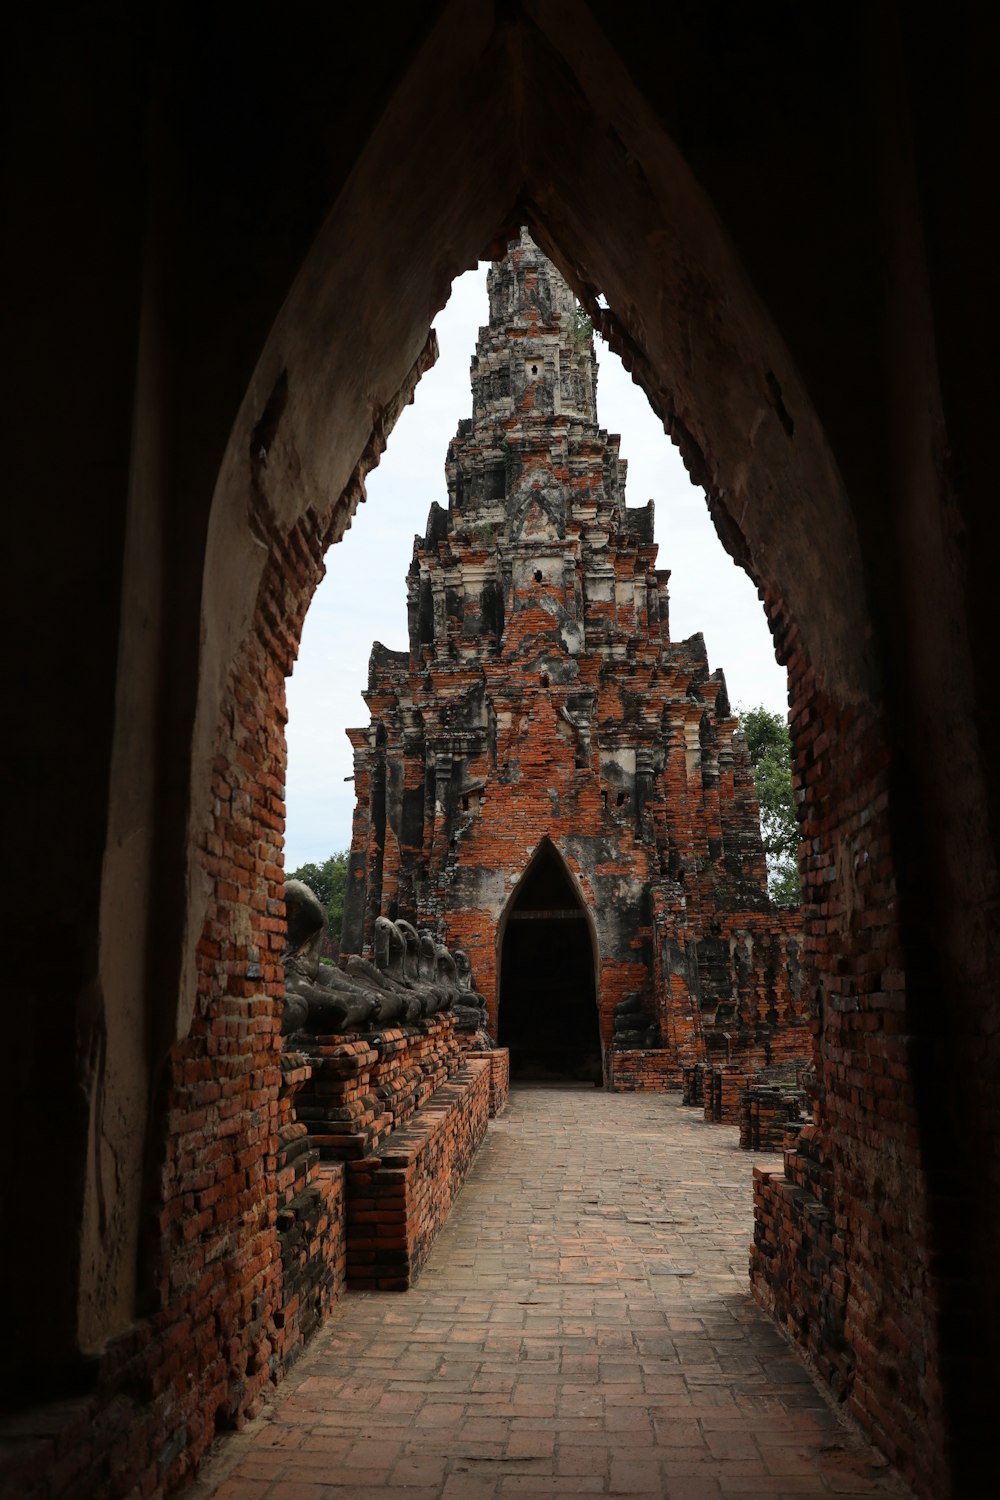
538,575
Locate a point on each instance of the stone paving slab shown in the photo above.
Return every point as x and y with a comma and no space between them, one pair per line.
582,1326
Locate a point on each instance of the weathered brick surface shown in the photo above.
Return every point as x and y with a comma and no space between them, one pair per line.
722,1090
760,1106
797,1265
842,1252
310,1220
649,1071
246,1248
499,1079
364,1086
400,1195
693,1085
766,1112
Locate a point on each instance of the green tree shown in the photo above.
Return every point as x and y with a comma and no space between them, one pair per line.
770,745
329,882
581,327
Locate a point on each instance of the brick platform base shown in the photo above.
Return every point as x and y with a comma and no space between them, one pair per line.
499,1079
650,1071
693,1085
363,1088
406,1088
399,1197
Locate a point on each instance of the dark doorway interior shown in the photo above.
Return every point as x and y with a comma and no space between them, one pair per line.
548,1003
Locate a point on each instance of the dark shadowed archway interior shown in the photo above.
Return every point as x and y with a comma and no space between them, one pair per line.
548,1002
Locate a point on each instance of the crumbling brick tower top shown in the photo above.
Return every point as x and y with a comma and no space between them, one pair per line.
547,780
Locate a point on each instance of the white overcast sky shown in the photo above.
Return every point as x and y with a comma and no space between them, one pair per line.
363,597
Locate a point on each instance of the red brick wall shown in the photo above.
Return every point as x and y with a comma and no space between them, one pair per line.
399,1197
845,1261
731,985
365,1086
499,1060
518,817
798,1273
637,1072
722,1090
231,1280
766,1114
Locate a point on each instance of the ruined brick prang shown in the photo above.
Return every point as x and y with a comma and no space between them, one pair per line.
543,721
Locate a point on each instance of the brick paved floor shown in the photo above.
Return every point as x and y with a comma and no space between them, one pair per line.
583,1326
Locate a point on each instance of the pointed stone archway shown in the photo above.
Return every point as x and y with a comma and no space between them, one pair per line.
547,965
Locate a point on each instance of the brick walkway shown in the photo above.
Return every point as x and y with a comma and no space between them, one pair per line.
583,1326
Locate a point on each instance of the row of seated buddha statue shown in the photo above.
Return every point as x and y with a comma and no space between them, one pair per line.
411,975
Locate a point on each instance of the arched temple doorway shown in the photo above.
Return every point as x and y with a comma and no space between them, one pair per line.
547,1012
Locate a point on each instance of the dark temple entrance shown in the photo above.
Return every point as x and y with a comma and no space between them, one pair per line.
548,1001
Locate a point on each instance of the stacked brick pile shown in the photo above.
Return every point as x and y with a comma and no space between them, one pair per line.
399,1196
693,1085
806,1164
722,1090
405,1109
761,1102
313,1257
412,1062
343,1115
766,1111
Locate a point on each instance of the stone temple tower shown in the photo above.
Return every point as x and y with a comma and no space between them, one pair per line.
547,780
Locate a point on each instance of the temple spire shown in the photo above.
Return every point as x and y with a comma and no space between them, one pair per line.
535,357
534,407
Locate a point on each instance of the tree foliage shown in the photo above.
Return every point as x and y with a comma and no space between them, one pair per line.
581,327
770,746
329,882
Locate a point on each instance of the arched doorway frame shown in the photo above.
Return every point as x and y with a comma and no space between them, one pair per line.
717,402
290,473
545,844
